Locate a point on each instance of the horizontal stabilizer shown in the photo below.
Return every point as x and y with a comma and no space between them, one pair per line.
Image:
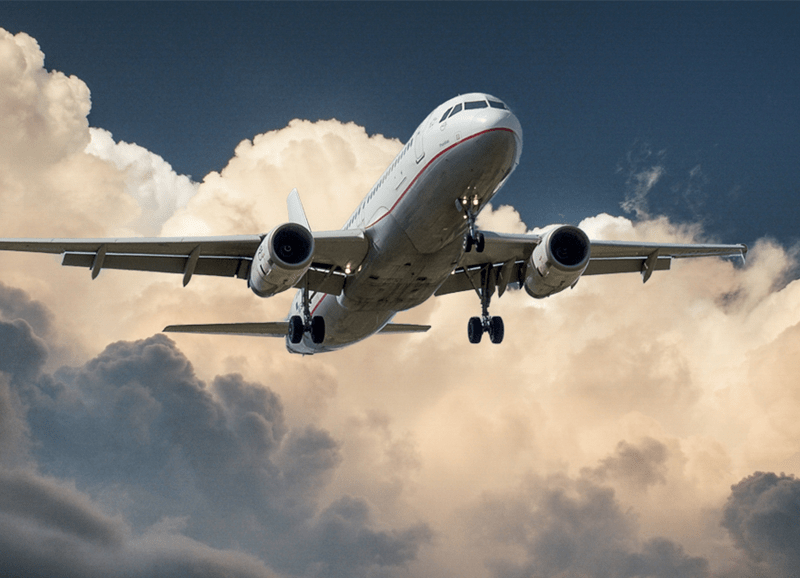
275,329
404,328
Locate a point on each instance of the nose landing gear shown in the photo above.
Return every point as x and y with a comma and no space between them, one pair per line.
473,238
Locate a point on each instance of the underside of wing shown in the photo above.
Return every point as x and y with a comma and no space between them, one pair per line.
404,328
222,256
506,258
625,249
273,329
336,255
645,258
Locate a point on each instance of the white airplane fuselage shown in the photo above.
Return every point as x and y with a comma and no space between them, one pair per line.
415,220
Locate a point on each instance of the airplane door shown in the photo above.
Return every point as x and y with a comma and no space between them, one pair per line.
419,146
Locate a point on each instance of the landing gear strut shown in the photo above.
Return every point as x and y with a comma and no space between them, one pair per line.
494,326
473,237
298,325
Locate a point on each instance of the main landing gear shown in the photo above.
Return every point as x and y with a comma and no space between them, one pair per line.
477,326
298,325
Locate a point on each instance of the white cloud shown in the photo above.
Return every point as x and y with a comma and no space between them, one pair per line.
149,179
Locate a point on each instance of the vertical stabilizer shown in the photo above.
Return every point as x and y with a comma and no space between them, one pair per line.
296,212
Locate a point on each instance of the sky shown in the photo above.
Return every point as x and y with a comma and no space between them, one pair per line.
620,430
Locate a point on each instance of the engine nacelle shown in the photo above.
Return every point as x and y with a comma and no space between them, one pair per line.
281,260
558,261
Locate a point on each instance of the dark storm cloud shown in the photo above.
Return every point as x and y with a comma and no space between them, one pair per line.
22,354
342,541
154,450
16,304
576,527
762,516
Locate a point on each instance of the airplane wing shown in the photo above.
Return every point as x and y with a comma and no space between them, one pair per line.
232,256
275,329
508,257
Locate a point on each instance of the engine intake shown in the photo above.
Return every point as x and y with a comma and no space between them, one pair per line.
558,261
282,259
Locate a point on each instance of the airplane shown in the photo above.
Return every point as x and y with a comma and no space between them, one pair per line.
413,236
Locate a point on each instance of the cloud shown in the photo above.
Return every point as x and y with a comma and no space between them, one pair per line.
763,517
149,179
571,527
601,438
641,176
640,466
146,438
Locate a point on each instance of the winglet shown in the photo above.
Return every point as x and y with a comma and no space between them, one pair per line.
296,212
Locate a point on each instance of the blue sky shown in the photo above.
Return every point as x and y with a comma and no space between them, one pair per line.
707,91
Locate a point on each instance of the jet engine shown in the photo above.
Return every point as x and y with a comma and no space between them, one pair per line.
558,261
281,260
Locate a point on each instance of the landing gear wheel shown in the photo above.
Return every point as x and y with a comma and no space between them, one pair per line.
467,243
480,242
496,329
475,329
296,329
317,329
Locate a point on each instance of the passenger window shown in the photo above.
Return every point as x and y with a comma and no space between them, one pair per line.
475,104
444,116
456,110
495,104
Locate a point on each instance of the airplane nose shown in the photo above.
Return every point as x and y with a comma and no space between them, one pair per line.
502,118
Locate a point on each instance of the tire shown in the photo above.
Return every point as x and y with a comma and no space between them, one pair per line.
467,243
317,329
497,330
295,329
480,242
475,330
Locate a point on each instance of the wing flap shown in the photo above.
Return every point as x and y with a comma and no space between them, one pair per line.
624,265
218,266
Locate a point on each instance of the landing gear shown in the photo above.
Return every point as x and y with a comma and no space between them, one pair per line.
494,326
476,240
473,238
298,325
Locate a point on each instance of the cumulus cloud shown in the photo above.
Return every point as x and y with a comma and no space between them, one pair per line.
146,442
564,527
149,179
762,515
601,438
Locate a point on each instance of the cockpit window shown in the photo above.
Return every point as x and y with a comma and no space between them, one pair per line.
456,110
444,116
497,104
475,104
